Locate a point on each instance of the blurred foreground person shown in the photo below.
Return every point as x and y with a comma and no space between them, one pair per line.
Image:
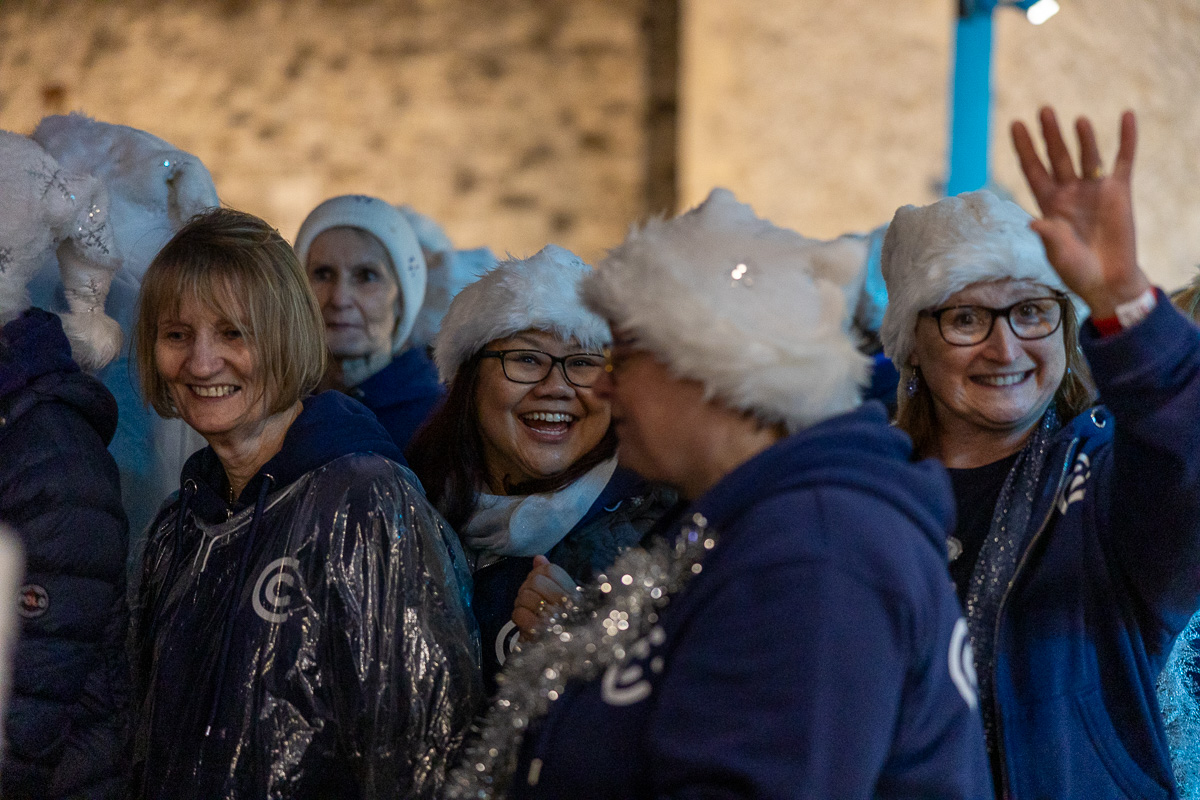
303,627
368,272
67,723
522,458
798,637
1079,528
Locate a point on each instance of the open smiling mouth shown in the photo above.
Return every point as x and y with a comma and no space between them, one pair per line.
547,422
1002,381
224,390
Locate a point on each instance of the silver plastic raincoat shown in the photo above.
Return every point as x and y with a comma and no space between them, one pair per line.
313,639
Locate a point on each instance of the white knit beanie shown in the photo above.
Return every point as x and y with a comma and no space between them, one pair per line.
930,252
743,306
385,223
536,293
48,214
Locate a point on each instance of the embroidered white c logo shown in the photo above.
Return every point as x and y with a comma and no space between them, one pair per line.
272,600
962,664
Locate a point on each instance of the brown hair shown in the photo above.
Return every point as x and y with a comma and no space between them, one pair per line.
235,265
1187,299
915,415
447,453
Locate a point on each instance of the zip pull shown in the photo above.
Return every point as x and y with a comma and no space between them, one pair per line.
535,771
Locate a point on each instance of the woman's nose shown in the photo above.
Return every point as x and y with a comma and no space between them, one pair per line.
1003,344
340,295
555,384
205,357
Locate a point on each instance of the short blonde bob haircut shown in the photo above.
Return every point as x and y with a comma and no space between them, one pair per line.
238,267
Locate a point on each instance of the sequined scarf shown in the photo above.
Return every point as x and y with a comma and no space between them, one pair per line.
996,566
612,622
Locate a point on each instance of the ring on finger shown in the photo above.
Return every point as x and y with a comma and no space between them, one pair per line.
1096,173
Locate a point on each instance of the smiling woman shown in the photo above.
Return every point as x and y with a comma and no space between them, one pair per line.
1078,527
521,458
262,579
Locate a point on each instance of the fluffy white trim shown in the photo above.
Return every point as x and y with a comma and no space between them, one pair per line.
389,226
930,252
48,213
754,312
536,293
153,187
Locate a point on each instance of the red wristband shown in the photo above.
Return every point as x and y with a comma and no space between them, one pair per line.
1107,326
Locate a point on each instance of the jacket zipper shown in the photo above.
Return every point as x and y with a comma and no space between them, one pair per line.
1000,615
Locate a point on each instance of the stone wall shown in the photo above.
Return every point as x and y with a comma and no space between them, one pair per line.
514,122
827,116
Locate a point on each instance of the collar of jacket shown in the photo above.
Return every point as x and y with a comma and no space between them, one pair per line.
331,425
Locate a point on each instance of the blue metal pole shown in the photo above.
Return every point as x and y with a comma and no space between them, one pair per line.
970,114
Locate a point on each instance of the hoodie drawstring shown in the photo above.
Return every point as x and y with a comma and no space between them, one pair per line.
227,625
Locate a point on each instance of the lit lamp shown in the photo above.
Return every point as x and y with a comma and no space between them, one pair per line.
970,116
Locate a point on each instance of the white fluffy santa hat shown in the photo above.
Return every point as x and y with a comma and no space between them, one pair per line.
743,306
536,293
930,252
388,225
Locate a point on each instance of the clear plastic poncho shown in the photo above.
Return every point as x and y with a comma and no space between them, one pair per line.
319,643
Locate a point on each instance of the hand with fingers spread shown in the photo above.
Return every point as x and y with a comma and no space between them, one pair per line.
1087,226
547,588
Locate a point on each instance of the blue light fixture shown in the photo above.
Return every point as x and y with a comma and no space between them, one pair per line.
971,105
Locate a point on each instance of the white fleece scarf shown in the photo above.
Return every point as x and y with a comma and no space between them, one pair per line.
531,524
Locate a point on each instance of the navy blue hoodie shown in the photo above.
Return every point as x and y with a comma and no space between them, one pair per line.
821,652
403,394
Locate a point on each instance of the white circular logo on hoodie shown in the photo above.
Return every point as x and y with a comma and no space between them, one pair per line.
962,664
276,589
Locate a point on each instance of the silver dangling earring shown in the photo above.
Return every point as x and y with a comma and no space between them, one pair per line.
910,387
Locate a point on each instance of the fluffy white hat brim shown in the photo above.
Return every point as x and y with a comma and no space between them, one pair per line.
536,293
746,308
930,252
388,225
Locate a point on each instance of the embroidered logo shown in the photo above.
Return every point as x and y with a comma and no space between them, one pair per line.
962,664
33,602
1074,490
276,589
626,684
505,641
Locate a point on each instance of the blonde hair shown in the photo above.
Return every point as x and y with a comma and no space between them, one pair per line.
915,415
1187,299
237,266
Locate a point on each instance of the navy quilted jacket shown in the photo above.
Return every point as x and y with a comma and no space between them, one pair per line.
67,722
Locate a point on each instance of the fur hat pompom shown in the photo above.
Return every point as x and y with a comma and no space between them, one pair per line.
751,310
520,294
930,252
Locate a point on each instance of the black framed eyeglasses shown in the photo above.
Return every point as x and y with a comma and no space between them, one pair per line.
1029,319
534,366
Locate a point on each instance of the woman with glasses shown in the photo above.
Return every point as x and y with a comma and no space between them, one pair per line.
521,458
1078,529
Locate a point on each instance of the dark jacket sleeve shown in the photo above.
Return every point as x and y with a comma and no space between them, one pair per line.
68,716
404,650
1149,377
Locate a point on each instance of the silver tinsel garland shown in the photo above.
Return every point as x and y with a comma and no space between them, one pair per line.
617,610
